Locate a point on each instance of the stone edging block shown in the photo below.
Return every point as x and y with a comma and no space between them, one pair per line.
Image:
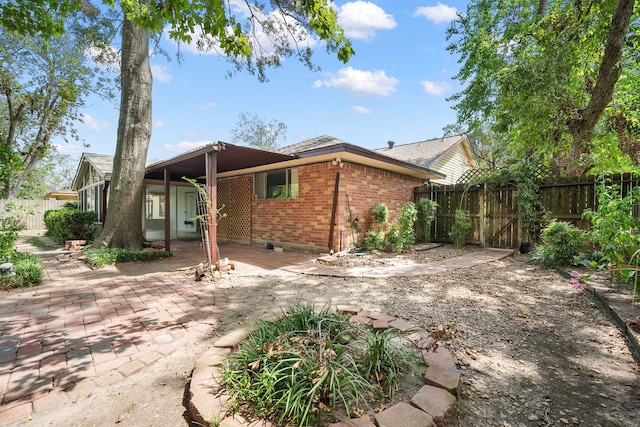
433,403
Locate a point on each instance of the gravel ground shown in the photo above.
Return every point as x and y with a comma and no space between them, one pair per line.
533,350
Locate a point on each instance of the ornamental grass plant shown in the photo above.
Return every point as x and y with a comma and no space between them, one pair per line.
307,363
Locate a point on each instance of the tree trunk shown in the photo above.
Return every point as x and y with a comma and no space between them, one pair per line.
123,223
583,128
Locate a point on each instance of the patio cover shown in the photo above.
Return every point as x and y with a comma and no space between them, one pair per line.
205,163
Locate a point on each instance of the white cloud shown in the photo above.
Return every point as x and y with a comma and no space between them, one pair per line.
435,88
158,124
360,82
207,106
361,19
185,145
68,148
438,14
89,122
160,73
358,109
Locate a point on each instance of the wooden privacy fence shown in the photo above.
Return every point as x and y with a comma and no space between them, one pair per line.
35,221
494,210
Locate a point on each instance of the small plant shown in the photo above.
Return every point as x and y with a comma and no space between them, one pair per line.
426,215
98,258
380,214
461,227
27,271
579,280
373,239
562,243
401,234
615,229
306,362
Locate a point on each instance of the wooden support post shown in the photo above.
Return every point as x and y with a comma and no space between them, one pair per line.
211,166
167,209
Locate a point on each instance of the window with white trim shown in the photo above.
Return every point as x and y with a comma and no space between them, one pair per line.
278,184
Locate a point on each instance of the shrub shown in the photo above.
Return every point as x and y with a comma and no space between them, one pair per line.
373,239
380,214
615,229
562,242
401,234
426,215
110,256
461,228
27,271
306,362
70,224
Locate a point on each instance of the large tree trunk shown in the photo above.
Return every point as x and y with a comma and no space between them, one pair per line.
123,223
583,128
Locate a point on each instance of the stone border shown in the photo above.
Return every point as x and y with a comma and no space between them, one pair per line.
432,405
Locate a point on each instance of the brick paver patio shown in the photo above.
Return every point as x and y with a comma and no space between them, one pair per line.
82,328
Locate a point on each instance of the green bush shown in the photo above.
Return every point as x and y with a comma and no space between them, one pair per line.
402,234
27,271
70,224
461,228
304,363
380,214
110,256
561,244
615,230
8,235
373,239
426,215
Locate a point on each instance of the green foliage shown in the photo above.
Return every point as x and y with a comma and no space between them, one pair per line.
373,239
70,224
562,242
461,227
45,81
39,243
98,258
11,222
615,230
54,171
402,234
531,212
27,271
305,363
252,130
426,214
380,214
529,68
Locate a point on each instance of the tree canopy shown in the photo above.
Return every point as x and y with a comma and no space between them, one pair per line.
43,84
557,80
254,131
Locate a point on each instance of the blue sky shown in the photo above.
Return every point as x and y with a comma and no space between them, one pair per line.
394,88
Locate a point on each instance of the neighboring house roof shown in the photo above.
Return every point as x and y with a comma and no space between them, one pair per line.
310,144
427,153
61,195
100,162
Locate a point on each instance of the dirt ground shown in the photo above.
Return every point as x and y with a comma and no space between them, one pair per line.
532,349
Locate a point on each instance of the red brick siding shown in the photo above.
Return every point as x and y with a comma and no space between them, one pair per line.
305,220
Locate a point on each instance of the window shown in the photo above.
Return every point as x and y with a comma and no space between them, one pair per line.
279,184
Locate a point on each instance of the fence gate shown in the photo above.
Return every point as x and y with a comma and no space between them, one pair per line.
500,217
493,211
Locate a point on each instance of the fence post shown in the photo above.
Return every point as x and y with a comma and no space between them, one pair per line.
481,214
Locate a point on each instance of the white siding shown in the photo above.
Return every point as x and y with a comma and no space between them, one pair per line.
453,164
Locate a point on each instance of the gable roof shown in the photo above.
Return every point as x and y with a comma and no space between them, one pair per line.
100,162
326,147
427,153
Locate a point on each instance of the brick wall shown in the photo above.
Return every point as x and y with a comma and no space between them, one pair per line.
304,222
